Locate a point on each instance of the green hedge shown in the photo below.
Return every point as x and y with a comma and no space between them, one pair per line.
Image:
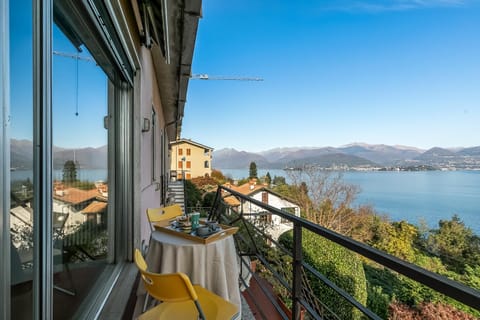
339,265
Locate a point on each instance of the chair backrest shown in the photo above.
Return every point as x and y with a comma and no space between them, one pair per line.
172,211
139,261
171,287
165,213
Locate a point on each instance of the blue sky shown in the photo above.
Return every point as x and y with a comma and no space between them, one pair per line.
335,72
69,130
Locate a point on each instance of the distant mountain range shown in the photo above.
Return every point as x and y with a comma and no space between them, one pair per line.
21,156
357,155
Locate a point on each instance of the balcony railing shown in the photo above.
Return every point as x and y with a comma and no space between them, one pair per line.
293,275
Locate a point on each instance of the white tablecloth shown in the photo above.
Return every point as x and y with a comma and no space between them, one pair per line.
213,266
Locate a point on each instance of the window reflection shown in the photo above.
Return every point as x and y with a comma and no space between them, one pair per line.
80,181
21,159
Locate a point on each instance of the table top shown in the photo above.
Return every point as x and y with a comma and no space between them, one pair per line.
172,239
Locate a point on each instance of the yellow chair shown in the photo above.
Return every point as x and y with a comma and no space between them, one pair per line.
180,299
158,215
162,214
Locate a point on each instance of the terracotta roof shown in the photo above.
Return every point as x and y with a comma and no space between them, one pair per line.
75,196
190,142
247,188
252,187
95,207
232,201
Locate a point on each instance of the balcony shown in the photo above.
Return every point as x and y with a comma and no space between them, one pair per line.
273,268
278,280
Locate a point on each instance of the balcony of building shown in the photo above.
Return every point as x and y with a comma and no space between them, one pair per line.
278,279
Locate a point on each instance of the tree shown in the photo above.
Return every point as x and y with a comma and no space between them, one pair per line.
253,170
218,176
279,180
69,172
193,195
455,243
268,178
324,198
396,238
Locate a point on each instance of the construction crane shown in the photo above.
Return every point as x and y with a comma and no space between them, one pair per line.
204,76
73,56
201,76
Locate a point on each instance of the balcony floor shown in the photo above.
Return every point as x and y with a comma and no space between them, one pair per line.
254,294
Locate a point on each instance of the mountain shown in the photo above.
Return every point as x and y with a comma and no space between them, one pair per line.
436,153
352,155
332,160
287,154
88,158
381,154
289,157
474,152
21,156
233,159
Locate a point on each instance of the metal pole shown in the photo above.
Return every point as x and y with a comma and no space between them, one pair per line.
297,270
42,171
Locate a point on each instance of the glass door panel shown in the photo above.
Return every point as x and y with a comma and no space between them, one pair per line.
21,160
80,180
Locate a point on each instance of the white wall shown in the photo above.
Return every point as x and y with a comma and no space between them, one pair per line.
150,187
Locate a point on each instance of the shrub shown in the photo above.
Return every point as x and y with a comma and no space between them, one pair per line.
339,265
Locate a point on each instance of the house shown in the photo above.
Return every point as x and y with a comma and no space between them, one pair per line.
274,225
190,158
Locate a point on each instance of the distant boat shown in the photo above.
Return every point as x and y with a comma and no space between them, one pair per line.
13,169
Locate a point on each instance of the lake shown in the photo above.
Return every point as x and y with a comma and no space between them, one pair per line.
410,196
82,174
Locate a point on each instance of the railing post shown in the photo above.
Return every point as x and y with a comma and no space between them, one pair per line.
297,270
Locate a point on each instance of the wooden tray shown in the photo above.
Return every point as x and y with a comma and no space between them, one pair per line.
164,226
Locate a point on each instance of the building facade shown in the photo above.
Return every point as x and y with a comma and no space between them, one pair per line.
190,159
91,93
273,224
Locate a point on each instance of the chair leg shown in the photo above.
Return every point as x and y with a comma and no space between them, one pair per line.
145,303
200,311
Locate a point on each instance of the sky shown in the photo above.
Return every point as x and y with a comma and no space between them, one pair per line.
82,91
396,72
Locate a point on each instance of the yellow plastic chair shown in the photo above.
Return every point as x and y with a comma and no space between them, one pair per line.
180,299
162,214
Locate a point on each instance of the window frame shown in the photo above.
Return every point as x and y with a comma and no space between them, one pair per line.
4,161
120,159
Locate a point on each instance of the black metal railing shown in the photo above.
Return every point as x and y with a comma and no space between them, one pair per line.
250,244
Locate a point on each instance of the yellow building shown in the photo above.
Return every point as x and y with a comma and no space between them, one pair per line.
190,158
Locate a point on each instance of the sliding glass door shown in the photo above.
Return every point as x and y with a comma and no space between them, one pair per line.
65,128
80,176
